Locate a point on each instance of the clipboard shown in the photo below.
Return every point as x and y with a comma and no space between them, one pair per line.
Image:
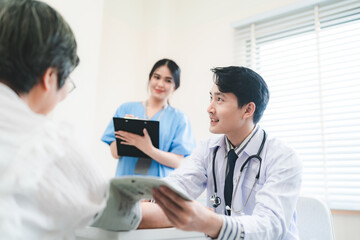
136,126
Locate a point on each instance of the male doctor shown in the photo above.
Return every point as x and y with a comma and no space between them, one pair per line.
252,180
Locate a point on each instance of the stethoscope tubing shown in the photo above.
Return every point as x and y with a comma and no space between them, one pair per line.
257,156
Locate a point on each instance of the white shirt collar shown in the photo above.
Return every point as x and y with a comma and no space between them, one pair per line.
238,149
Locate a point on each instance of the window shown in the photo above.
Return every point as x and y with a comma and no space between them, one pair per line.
311,61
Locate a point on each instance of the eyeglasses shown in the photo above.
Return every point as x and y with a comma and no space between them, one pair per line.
72,85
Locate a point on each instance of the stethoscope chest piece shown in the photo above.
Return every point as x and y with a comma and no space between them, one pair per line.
215,200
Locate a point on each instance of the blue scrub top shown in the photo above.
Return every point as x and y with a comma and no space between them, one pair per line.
175,136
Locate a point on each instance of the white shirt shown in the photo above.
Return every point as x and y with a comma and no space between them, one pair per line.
270,211
49,186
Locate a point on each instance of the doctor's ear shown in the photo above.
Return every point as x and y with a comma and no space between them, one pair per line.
249,109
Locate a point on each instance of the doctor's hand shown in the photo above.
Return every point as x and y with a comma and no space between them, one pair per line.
141,142
187,215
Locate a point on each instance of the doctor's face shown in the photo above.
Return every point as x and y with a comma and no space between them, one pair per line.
225,115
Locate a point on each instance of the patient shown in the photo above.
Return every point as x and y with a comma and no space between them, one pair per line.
48,185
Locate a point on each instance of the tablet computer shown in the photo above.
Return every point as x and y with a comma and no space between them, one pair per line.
136,126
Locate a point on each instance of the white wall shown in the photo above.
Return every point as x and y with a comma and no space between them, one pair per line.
79,107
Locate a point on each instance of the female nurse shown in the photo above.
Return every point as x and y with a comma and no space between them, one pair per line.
176,139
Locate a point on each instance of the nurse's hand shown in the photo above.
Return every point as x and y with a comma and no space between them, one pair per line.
187,215
130,116
141,142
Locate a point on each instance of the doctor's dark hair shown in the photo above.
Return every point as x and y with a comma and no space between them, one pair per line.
247,85
34,37
173,67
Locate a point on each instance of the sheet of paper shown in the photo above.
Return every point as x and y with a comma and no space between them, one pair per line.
122,211
140,187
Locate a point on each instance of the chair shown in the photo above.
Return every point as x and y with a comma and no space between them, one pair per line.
314,220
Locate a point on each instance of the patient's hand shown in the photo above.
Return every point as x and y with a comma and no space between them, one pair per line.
153,216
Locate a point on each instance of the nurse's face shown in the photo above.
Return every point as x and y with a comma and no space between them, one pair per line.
161,83
225,115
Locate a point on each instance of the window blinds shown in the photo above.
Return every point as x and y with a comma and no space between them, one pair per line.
310,59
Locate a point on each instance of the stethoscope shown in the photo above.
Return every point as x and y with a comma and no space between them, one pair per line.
215,200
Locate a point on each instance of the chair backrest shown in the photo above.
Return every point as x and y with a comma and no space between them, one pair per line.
314,220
